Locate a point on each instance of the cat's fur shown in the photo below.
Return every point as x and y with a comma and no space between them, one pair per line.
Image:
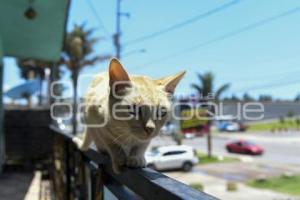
126,140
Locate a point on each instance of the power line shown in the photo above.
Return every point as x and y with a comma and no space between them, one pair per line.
98,18
184,23
225,36
263,76
282,81
269,85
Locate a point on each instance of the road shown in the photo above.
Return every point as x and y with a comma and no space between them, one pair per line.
281,148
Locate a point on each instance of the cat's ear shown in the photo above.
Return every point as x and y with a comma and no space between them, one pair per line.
118,77
169,83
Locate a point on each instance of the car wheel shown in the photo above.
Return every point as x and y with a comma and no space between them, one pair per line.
151,166
229,150
249,152
187,166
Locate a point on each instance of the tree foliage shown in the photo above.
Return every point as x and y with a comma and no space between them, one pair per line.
206,86
78,49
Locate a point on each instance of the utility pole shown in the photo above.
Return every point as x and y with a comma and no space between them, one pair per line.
118,30
118,33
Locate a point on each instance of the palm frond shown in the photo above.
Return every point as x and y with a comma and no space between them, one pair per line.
221,90
95,59
197,87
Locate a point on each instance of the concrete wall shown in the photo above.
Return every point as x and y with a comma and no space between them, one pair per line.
272,110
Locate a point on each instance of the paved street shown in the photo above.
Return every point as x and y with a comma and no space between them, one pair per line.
279,147
281,156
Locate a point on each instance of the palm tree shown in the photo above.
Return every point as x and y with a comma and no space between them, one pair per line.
77,53
206,86
206,90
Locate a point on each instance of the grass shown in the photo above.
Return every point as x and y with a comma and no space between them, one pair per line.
204,159
275,126
197,186
289,185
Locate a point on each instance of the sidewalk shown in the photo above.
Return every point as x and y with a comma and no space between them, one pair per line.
38,189
285,137
244,171
14,185
217,187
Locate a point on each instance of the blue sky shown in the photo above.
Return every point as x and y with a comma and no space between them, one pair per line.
252,44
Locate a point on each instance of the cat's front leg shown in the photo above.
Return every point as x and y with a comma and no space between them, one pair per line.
136,157
118,157
83,143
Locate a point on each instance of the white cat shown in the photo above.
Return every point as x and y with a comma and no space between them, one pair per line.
123,113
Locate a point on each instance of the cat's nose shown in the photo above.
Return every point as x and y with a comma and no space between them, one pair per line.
149,130
150,126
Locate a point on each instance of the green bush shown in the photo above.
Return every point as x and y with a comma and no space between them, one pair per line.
274,126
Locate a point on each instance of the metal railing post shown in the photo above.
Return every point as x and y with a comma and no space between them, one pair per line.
67,170
97,184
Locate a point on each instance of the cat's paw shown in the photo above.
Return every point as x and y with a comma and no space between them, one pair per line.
135,161
78,141
80,144
118,163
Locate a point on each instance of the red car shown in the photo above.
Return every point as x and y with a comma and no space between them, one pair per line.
244,147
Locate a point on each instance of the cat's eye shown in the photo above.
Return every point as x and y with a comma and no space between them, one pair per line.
161,112
134,110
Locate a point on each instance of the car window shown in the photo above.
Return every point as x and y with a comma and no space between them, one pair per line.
154,152
239,144
173,153
249,144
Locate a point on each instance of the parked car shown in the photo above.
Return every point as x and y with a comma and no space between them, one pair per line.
229,126
189,135
172,157
232,127
228,123
244,147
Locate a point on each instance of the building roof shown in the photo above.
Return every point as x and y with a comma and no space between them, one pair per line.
39,38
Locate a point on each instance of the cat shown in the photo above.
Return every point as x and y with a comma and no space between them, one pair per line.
123,113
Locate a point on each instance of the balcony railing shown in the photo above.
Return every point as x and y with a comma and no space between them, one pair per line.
89,176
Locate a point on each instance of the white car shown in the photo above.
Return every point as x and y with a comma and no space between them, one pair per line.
233,127
172,157
189,135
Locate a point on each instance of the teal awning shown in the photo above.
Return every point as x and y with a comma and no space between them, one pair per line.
40,38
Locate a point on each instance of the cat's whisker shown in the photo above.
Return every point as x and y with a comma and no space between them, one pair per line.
127,140
116,139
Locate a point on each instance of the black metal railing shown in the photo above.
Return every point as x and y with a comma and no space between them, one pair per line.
89,176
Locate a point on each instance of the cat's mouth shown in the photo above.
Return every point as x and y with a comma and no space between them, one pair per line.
146,135
148,131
